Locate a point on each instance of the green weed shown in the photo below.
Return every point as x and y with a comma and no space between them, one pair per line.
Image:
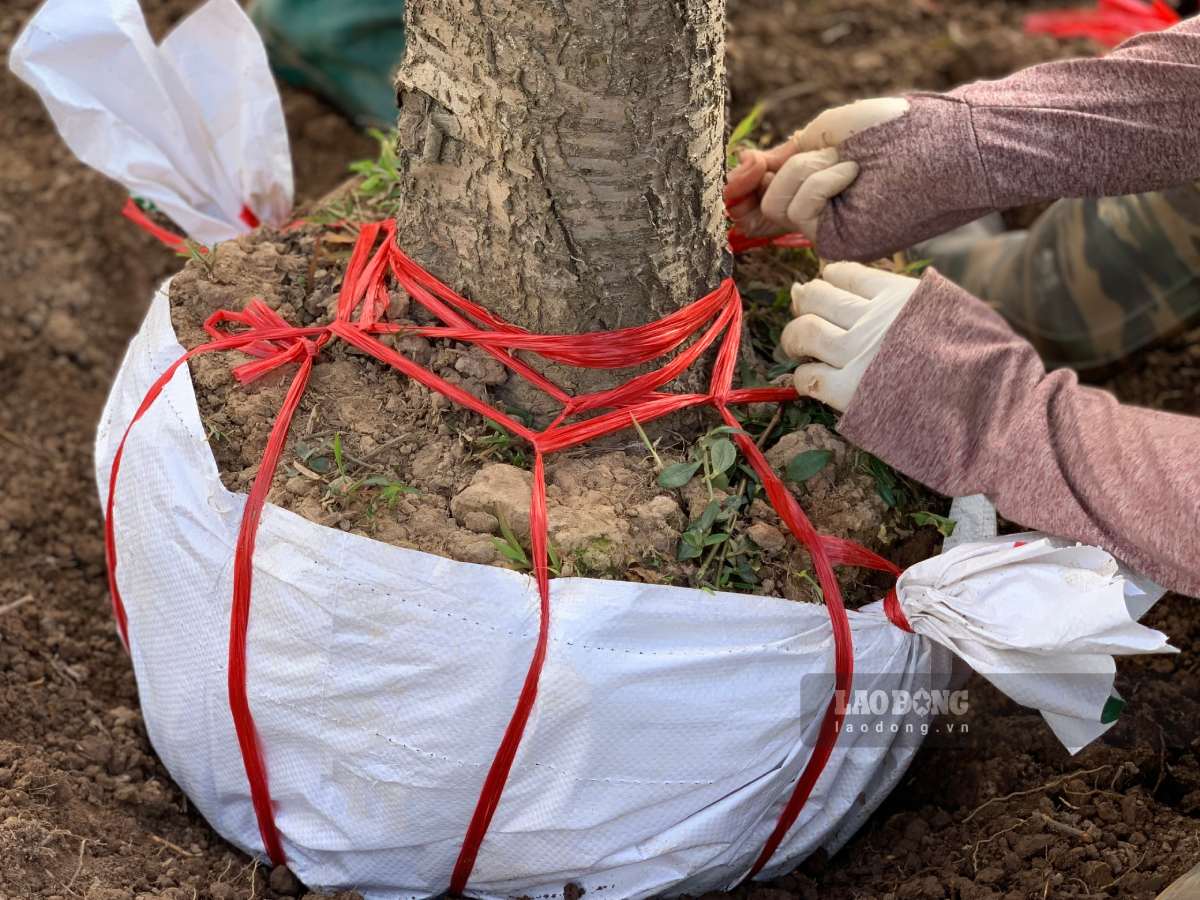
380,176
497,444
741,134
508,546
375,193
713,455
896,491
205,257
941,523
916,266
339,459
804,466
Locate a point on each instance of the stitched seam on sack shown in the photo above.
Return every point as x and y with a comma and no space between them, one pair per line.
331,757
306,710
166,394
707,651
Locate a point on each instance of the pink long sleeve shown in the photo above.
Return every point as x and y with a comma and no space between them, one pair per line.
959,402
1125,123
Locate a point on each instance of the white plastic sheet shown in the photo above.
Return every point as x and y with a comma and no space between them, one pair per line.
194,125
669,728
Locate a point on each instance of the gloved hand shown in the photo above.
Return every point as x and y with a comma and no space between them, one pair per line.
842,318
786,188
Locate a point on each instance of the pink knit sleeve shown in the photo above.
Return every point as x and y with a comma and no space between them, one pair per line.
959,402
1125,123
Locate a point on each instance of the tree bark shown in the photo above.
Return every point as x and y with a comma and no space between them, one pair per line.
562,160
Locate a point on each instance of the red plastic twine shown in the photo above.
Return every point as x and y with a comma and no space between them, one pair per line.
134,214
1110,22
375,262
165,236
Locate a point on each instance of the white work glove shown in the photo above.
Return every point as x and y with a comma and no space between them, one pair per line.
786,188
842,318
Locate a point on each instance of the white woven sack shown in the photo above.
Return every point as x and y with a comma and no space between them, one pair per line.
194,124
669,728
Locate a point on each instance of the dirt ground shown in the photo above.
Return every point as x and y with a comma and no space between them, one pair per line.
86,811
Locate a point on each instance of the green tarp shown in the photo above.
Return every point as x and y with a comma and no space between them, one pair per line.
344,50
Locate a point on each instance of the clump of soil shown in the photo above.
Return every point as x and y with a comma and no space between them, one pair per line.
377,454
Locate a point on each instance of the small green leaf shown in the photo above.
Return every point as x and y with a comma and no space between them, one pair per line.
886,491
746,126
749,473
511,553
722,454
1113,707
693,538
506,529
391,493
687,551
508,546
713,539
807,464
338,458
709,516
678,475
741,132
887,483
941,523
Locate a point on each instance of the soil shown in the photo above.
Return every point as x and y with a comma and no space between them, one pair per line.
380,455
86,810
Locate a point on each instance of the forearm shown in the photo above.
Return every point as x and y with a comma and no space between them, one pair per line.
957,401
1124,123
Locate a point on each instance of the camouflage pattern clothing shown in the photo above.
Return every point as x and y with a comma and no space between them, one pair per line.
1093,279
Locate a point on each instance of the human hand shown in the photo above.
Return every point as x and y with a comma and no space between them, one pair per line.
841,320
786,188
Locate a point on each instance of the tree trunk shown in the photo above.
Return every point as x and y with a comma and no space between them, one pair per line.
563,159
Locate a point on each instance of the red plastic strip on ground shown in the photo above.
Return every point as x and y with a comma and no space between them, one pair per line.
1110,22
273,343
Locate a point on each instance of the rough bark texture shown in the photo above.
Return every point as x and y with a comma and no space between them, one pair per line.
563,160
